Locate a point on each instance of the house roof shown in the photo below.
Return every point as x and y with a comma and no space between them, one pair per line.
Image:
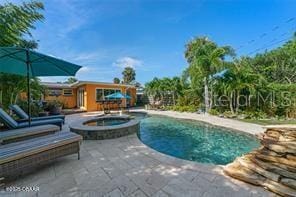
56,85
79,83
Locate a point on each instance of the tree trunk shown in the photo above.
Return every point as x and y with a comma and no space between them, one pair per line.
231,102
15,98
1,98
11,98
237,102
174,101
210,97
207,104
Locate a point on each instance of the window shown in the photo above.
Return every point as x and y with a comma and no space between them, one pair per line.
101,93
110,91
68,92
54,92
128,93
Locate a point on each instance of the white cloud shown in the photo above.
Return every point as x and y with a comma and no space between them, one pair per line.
84,69
88,58
53,79
128,62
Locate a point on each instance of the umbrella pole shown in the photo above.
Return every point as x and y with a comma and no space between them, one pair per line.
28,85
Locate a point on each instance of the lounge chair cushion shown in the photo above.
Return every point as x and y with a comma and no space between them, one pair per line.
23,115
18,150
6,119
55,121
25,133
19,111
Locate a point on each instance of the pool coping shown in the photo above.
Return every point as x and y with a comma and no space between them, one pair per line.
78,125
235,125
105,132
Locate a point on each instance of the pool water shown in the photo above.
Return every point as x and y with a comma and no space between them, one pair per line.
195,141
106,122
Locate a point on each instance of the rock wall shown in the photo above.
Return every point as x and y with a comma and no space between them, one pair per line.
273,165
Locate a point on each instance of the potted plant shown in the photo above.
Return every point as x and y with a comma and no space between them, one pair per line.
54,107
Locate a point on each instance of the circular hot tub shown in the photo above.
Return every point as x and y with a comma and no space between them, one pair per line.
105,127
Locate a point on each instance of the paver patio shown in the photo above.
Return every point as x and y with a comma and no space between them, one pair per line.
127,167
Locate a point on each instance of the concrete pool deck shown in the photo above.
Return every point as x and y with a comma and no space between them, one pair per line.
251,128
126,167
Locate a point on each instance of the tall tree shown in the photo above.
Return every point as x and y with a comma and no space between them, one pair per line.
161,88
205,58
239,82
152,88
277,65
71,80
116,80
129,75
16,21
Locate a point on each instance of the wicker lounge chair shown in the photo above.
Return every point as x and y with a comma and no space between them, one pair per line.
20,158
12,124
21,134
24,116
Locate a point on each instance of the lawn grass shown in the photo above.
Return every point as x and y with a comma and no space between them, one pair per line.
268,122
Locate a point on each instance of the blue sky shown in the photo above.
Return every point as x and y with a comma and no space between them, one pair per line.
104,36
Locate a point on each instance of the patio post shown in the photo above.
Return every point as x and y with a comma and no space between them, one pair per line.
28,63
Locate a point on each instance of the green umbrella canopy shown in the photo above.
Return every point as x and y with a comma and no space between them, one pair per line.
117,95
29,63
14,60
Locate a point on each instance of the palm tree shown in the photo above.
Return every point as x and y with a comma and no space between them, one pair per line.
164,87
116,80
205,58
240,77
152,88
176,88
129,75
71,80
17,21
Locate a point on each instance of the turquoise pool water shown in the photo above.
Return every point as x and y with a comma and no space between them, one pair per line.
194,141
106,122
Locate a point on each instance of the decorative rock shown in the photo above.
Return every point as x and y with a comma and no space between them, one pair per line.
236,170
280,160
292,157
273,168
273,165
289,182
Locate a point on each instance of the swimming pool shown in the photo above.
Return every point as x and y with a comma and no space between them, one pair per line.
193,140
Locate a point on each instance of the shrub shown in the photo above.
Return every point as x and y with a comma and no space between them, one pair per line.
188,99
255,115
228,114
36,107
54,107
189,108
214,112
53,104
291,112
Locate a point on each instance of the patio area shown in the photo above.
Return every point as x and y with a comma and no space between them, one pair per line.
127,167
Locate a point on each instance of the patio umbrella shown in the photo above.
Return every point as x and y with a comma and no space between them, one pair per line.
117,95
30,63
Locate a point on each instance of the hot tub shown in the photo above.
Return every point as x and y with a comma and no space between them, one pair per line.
105,127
